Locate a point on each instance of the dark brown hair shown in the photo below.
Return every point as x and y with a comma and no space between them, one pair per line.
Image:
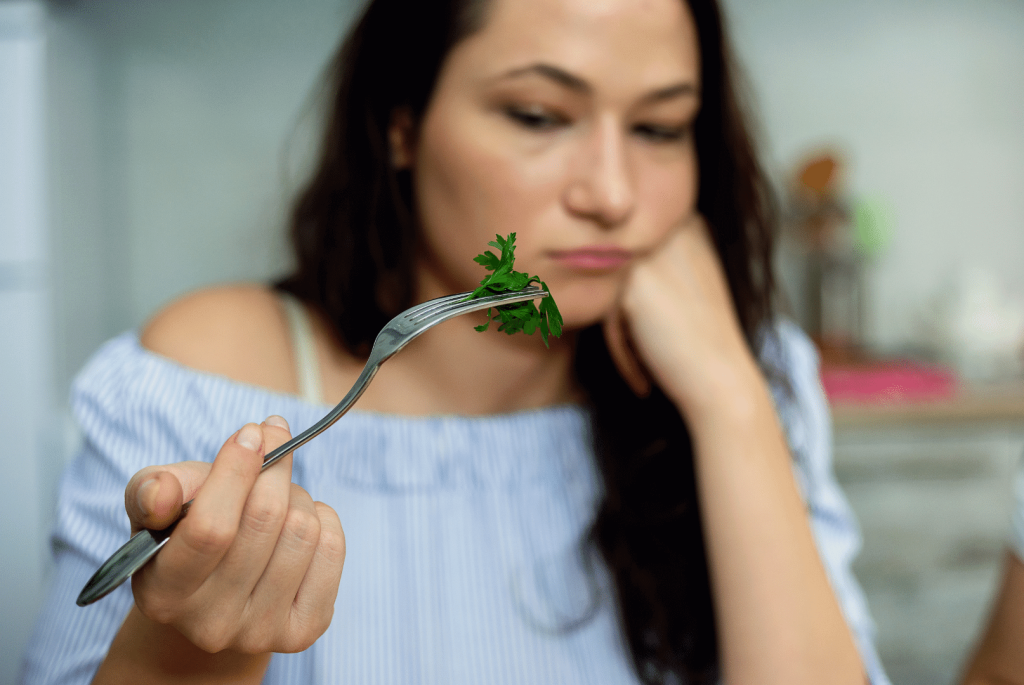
354,233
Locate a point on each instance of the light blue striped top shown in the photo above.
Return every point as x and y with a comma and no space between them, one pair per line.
464,533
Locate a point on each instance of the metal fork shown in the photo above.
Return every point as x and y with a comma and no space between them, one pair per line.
398,333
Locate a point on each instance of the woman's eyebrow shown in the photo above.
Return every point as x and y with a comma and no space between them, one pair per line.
575,83
550,71
684,89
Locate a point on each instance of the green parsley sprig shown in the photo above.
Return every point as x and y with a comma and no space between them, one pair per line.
519,316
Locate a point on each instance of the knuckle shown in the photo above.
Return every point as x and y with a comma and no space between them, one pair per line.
265,515
211,637
303,525
332,535
332,545
153,599
156,609
299,496
301,637
307,622
209,537
291,645
323,621
256,641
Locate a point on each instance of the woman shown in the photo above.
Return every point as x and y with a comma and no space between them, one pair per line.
485,547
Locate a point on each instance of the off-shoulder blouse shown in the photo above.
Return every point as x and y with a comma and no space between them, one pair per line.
466,561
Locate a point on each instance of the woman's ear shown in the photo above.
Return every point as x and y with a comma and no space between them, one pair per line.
401,138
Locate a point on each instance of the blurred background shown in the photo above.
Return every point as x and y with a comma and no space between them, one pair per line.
148,148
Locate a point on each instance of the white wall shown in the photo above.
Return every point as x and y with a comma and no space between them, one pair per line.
176,129
27,457
927,99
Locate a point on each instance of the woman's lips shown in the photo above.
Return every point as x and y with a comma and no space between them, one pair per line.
593,258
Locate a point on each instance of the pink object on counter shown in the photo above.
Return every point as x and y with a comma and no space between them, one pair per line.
888,382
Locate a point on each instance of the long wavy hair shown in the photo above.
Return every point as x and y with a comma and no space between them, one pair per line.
354,233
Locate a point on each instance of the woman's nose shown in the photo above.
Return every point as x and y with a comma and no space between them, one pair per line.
601,185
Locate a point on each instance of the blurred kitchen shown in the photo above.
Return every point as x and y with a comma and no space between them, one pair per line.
149,147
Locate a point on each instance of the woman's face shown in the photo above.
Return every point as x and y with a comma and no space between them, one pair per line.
568,122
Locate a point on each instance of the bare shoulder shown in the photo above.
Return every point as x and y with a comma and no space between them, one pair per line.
237,331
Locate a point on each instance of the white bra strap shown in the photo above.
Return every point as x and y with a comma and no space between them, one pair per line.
303,347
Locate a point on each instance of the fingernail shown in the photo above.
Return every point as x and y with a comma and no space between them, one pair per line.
275,420
250,437
142,495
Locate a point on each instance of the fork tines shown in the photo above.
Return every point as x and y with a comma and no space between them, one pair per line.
449,303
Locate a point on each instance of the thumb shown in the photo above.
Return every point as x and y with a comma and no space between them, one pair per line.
616,338
154,495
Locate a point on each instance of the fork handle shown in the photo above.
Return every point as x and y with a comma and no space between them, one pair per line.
365,376
145,544
123,563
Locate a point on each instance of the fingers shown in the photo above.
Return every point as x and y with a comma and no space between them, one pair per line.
262,518
313,607
154,495
274,594
682,321
617,328
255,565
204,536
206,533
696,250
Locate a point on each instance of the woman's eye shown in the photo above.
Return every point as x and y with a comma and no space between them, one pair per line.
661,134
532,118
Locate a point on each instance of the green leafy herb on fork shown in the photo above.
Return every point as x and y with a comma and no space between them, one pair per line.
521,316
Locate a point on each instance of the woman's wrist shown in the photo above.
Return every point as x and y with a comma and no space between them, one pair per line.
728,394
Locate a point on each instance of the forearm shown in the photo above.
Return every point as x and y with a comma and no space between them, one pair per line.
147,652
779,621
